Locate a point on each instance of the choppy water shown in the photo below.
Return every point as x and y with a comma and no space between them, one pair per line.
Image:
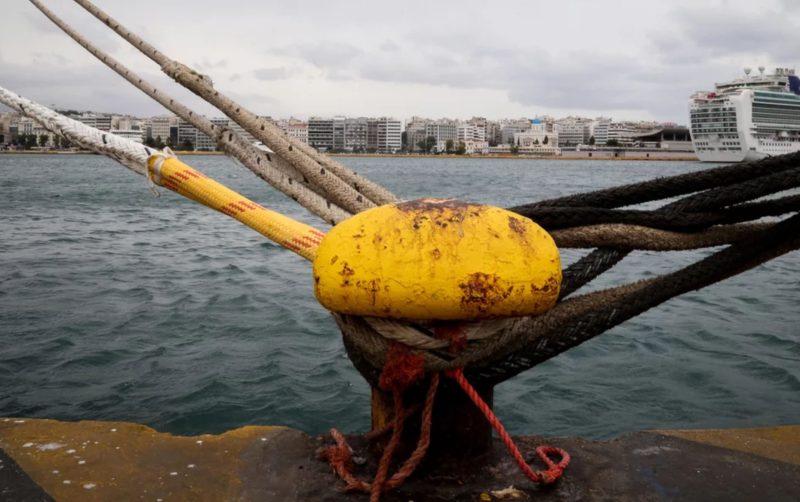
116,305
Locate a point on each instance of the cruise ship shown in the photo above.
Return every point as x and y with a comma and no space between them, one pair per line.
749,118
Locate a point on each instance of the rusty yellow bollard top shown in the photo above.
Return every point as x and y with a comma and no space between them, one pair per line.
437,259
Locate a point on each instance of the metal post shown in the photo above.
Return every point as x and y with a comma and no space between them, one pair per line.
460,434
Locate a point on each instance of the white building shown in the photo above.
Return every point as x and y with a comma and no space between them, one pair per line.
205,143
539,137
508,128
96,120
159,127
442,130
131,134
600,131
295,128
389,135
573,132
415,132
320,133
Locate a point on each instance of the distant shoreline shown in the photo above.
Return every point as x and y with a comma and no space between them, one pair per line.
687,158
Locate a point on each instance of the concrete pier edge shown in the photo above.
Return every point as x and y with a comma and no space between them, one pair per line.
44,459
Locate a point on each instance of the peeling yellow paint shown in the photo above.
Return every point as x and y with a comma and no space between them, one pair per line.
437,259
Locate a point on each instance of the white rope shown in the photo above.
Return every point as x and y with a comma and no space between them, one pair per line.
341,184
129,153
270,168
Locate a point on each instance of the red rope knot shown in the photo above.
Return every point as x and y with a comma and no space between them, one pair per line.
403,368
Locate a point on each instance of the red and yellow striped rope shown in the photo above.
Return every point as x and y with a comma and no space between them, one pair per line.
174,175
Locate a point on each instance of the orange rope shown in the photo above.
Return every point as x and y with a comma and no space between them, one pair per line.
340,456
553,471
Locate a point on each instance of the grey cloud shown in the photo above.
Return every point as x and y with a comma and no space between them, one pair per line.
389,46
207,65
323,54
708,33
581,81
271,73
66,87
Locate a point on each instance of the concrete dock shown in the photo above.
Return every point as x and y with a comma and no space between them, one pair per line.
101,461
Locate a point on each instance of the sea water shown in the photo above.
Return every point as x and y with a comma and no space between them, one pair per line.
116,305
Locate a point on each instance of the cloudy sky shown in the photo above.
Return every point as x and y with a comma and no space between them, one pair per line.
628,59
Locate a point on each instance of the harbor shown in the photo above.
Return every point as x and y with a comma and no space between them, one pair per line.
347,307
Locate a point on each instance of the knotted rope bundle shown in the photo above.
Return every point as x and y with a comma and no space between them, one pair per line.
713,213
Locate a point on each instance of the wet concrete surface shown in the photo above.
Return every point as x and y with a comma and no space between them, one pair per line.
122,461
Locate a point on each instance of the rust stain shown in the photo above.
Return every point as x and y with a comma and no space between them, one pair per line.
436,254
481,291
346,273
550,285
516,225
371,287
346,270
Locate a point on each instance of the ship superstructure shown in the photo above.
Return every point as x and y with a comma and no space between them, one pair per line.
749,118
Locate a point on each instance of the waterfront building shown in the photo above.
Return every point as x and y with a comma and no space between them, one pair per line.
187,133
5,129
442,130
666,137
573,131
540,135
473,147
159,127
600,131
320,133
25,125
508,128
467,131
415,133
294,128
621,133
388,135
203,142
99,121
494,134
354,134
136,135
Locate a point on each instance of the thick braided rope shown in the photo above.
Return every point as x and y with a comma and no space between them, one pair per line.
270,168
341,185
554,218
751,181
575,321
638,237
673,186
128,153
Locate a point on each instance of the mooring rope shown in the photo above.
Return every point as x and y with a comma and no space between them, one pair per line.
270,168
128,153
342,185
164,169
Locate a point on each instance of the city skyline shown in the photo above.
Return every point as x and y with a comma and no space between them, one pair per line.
442,60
